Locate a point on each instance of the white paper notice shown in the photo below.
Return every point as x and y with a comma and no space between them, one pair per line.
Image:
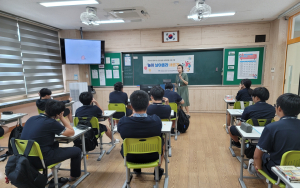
102,77
116,74
94,74
230,75
108,74
231,60
127,61
108,60
115,61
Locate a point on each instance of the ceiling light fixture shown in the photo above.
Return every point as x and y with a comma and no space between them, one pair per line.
213,15
69,3
109,21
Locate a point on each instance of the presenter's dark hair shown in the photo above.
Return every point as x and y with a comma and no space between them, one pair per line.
179,65
54,107
169,85
85,98
247,83
118,86
139,100
262,93
157,93
45,91
289,103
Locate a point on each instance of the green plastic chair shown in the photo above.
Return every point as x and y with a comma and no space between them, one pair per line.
119,107
41,111
289,158
95,125
141,146
242,104
174,107
261,122
36,152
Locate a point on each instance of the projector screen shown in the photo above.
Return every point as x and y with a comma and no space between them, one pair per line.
76,51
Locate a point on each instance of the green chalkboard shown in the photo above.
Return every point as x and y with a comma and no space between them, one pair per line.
208,66
235,52
108,81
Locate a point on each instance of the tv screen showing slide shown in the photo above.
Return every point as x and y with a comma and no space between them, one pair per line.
76,51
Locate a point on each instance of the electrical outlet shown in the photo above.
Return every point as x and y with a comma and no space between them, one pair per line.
272,69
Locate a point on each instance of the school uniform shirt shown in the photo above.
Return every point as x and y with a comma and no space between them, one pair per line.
172,96
260,110
280,137
243,95
88,111
162,111
140,126
42,129
119,97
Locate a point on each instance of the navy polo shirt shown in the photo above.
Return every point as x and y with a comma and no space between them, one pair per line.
172,96
243,95
260,110
88,111
162,111
280,137
42,129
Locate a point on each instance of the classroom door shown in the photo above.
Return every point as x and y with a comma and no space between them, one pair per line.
292,73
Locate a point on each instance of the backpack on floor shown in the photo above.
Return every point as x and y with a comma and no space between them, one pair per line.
89,137
183,121
20,172
15,133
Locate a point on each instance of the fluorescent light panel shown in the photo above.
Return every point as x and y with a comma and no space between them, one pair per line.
214,15
109,21
69,3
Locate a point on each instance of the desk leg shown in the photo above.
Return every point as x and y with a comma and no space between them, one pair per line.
230,146
86,173
226,118
176,128
242,162
166,162
112,135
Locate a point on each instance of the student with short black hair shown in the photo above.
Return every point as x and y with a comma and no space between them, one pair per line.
280,136
43,128
260,110
140,125
45,95
88,110
118,96
161,110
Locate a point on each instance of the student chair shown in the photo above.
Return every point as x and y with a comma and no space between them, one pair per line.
289,158
174,107
242,104
119,107
259,122
36,152
95,125
41,111
141,146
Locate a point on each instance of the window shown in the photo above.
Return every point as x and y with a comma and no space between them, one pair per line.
294,29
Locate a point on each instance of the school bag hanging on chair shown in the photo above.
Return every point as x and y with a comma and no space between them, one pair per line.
183,121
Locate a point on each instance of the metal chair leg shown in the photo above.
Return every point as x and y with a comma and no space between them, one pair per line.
176,130
156,177
128,177
55,177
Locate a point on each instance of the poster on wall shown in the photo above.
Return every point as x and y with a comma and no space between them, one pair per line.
167,64
248,65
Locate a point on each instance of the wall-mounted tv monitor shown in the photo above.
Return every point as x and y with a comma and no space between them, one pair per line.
79,51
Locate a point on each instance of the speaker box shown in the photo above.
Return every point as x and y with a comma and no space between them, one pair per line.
260,38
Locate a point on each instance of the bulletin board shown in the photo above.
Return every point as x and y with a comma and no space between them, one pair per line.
109,73
243,63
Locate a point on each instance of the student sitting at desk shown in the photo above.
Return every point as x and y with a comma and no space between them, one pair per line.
140,125
279,137
118,96
87,110
43,128
244,94
45,95
161,110
173,97
260,110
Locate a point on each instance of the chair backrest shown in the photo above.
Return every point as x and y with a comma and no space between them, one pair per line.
119,107
173,106
290,158
142,145
41,111
34,152
261,122
165,119
242,104
94,122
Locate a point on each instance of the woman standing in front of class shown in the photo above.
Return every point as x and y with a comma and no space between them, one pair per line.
182,82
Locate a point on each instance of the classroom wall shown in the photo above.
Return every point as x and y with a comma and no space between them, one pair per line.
203,99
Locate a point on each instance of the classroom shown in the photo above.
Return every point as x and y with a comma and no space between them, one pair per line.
141,93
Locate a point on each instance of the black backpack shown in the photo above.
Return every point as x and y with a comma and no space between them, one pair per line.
183,121
20,172
15,133
89,137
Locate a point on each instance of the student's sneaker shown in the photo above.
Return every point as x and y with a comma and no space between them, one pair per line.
115,128
252,170
117,141
160,173
172,131
236,144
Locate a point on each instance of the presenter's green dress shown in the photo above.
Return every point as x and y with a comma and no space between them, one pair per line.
182,89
